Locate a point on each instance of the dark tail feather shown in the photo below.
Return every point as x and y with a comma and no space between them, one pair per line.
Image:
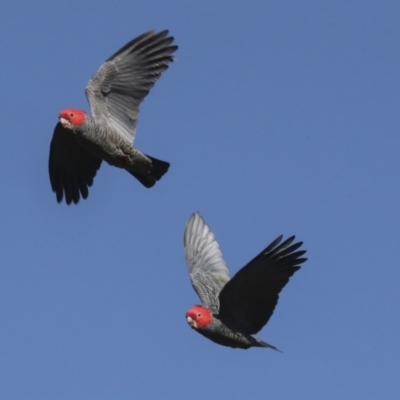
264,344
157,170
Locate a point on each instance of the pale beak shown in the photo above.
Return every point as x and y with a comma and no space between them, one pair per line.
191,322
65,123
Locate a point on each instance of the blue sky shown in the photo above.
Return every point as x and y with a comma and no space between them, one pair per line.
279,117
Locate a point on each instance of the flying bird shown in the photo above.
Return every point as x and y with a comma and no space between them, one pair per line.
234,310
81,142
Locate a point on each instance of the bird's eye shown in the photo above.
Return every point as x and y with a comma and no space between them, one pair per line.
71,115
199,315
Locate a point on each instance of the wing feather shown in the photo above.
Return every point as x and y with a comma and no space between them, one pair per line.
248,300
207,269
117,89
71,168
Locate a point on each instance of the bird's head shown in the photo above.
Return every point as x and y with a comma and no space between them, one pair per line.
70,117
199,317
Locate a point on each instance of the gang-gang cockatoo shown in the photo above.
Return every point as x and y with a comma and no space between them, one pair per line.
234,310
81,141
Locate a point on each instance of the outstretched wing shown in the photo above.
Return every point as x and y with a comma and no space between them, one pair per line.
124,80
71,168
248,300
207,269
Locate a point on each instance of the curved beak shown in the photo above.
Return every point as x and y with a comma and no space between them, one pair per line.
191,322
65,123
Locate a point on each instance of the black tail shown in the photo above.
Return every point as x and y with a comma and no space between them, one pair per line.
265,344
157,170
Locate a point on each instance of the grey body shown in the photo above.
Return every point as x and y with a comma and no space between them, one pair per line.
221,334
111,147
115,93
240,306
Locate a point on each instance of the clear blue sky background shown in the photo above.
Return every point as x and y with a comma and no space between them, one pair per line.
279,117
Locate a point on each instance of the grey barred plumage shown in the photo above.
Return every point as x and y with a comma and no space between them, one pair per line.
221,334
115,92
124,80
207,268
233,310
207,291
109,146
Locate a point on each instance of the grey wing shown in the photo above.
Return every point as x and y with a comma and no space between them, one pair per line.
71,168
249,298
124,80
207,269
